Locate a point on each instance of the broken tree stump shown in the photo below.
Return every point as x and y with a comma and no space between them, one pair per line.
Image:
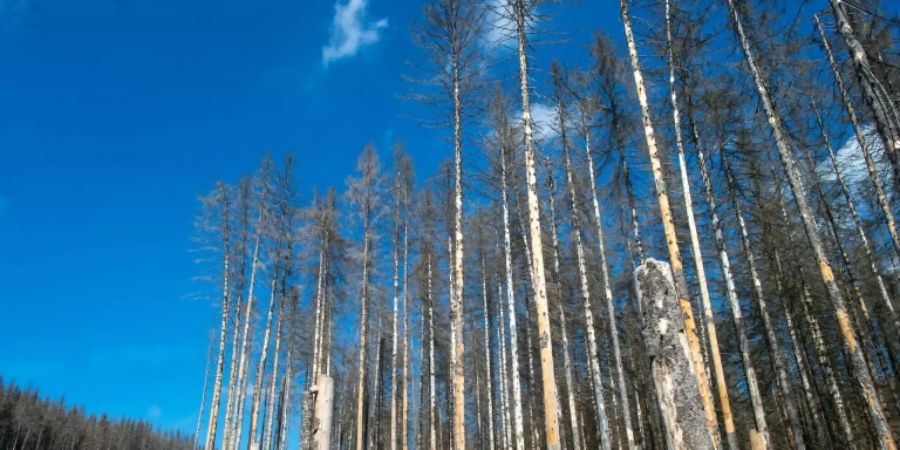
667,347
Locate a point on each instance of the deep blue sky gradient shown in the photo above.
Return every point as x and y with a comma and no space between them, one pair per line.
115,115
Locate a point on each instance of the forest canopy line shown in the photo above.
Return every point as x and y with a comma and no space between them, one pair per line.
687,241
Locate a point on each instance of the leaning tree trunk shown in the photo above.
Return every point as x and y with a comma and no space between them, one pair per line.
674,372
548,376
759,412
860,230
887,120
212,426
848,334
778,361
203,392
861,139
665,210
721,383
261,364
567,358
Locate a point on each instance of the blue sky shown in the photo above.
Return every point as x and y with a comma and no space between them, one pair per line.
115,115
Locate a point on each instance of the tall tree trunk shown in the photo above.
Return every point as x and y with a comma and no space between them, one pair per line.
567,358
562,116
861,139
363,330
662,198
203,392
395,318
432,401
857,222
696,251
848,334
778,361
404,417
887,120
487,353
548,376
517,426
759,412
264,353
212,426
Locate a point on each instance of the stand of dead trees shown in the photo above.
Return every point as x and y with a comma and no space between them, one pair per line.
509,298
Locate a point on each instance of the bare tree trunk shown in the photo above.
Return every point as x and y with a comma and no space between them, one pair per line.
857,222
516,425
363,330
432,401
662,198
696,251
548,376
778,360
562,116
669,351
854,120
886,117
404,419
202,393
321,436
848,334
759,412
395,313
212,426
567,358
487,353
504,392
264,353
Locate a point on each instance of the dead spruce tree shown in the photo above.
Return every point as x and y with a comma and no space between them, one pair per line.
662,198
862,375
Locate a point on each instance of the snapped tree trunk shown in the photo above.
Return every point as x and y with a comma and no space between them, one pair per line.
667,347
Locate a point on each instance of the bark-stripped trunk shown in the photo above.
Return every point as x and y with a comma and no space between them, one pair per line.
562,115
670,356
759,412
287,381
395,318
517,426
487,353
504,391
662,198
264,353
861,138
202,393
563,327
696,251
848,334
857,222
363,330
321,437
404,408
432,401
887,119
212,426
778,361
548,375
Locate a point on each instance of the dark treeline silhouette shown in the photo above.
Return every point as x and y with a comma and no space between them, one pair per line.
31,422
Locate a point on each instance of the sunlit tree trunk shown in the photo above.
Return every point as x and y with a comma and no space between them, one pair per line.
848,334
202,393
263,357
756,401
563,327
487,353
696,251
548,375
212,426
861,139
662,198
887,120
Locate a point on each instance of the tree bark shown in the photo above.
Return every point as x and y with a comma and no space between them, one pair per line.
667,347
848,334
662,198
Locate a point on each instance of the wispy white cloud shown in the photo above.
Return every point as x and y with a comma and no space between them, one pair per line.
350,31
